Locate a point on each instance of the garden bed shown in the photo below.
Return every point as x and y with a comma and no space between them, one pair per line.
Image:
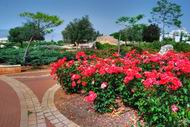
154,84
76,109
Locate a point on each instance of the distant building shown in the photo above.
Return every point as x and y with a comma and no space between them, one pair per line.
3,39
107,39
178,34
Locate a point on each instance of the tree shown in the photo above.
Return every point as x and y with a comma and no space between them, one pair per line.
130,23
127,22
167,14
117,34
135,33
24,33
15,35
80,31
151,33
43,24
37,26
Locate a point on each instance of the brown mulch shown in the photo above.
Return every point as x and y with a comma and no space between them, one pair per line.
76,109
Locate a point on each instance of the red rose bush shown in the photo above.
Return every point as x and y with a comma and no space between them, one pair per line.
158,86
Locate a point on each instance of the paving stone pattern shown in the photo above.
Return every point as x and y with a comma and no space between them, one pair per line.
51,112
32,113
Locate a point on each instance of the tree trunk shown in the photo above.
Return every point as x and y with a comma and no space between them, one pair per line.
21,44
181,37
77,45
163,31
26,51
118,44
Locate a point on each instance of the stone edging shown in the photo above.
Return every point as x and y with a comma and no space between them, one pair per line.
9,66
34,71
31,112
30,77
52,113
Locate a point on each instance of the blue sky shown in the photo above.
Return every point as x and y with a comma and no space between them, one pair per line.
102,13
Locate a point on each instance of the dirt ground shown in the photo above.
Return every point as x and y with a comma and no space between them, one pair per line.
76,109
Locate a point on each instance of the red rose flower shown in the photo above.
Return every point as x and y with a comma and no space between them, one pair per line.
91,97
73,84
75,77
84,83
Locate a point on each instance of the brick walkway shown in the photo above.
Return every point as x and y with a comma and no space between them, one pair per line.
9,107
21,101
51,112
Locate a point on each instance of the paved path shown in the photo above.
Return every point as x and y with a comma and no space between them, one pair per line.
27,100
9,106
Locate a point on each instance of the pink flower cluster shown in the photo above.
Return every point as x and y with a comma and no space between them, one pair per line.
91,97
166,78
174,108
56,65
151,69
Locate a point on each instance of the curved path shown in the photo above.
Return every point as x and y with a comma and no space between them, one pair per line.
51,112
27,100
9,106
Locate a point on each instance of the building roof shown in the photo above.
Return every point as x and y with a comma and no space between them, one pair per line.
107,39
3,38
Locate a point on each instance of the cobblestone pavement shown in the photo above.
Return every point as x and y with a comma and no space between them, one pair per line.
51,112
9,106
27,100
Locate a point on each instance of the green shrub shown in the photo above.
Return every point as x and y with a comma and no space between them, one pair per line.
11,55
40,56
105,46
156,45
35,57
60,42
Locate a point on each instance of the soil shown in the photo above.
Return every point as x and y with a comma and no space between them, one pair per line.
76,109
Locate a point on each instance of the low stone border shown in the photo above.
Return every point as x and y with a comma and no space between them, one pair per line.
30,77
7,69
31,72
31,112
52,113
18,65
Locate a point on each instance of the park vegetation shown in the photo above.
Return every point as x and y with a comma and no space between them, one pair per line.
157,86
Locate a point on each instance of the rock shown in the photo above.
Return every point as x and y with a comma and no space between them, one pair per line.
164,49
188,42
16,47
87,45
2,46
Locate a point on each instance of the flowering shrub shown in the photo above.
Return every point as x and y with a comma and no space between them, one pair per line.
158,86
